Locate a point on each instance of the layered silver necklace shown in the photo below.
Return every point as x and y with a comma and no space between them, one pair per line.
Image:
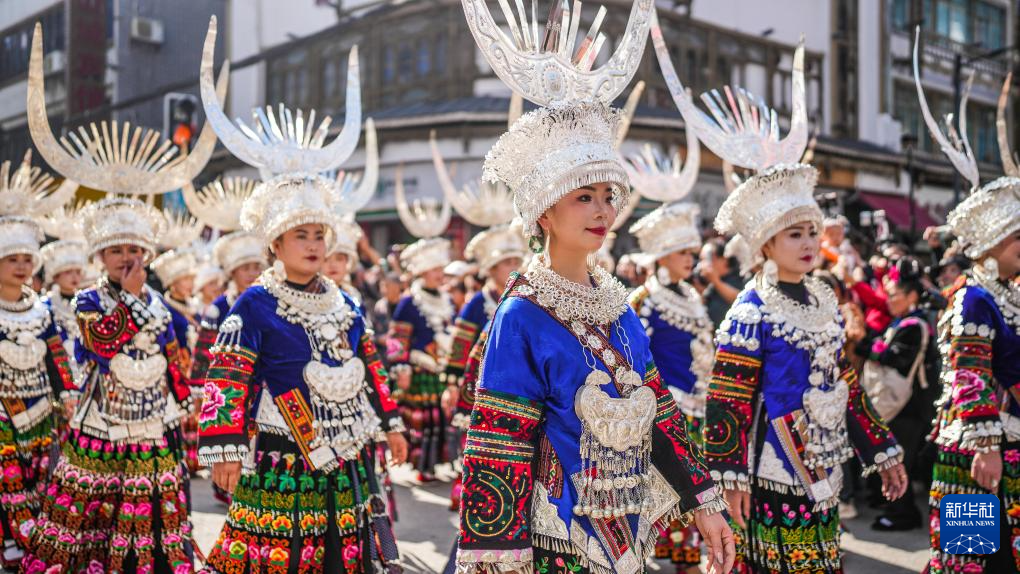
814,327
437,308
22,350
344,418
1006,295
615,442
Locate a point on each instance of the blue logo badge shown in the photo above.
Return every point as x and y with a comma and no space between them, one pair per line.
969,523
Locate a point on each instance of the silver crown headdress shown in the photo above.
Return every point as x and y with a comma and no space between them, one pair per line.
668,228
570,141
112,157
64,255
31,192
744,131
181,229
425,219
990,213
122,221
289,152
348,234
496,244
238,248
173,265
218,204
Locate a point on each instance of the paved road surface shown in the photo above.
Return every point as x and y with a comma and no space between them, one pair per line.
426,531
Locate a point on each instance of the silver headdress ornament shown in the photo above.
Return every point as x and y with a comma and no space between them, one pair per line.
287,142
569,143
356,190
427,220
218,204
29,191
480,203
238,248
669,228
348,234
64,255
496,244
122,221
990,213
744,131
173,265
65,221
624,209
181,229
661,179
110,157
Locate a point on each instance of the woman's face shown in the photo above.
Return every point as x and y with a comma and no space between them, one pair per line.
246,274
500,272
117,258
900,301
433,278
302,250
794,249
679,263
183,287
16,270
581,219
68,281
1007,255
211,290
336,267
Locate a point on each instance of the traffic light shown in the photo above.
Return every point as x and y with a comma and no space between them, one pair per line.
179,119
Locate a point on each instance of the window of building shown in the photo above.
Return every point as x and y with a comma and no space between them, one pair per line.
901,15
16,43
980,121
989,22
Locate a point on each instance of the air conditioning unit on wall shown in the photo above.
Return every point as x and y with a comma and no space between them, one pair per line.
147,30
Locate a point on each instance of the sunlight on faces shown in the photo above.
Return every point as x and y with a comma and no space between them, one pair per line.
500,272
337,267
433,278
680,264
183,287
246,274
1007,255
115,260
16,270
302,250
794,250
68,281
580,220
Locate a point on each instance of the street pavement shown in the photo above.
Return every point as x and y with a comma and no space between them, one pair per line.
426,528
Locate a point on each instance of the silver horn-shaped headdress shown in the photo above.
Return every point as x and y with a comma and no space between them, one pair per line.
423,218
1009,160
31,192
181,229
741,129
356,190
556,70
218,204
112,157
480,203
627,208
956,146
286,142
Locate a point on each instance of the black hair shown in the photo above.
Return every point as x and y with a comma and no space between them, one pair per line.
910,273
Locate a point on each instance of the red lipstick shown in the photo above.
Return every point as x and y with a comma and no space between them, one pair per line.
600,231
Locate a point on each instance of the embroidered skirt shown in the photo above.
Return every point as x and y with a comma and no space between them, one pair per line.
784,535
285,518
951,475
24,460
425,421
114,507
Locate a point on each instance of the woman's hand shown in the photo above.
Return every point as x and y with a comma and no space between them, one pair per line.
398,447
719,539
226,474
894,481
986,470
134,277
740,506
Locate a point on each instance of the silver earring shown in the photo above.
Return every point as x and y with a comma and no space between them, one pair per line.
662,274
771,271
991,267
279,269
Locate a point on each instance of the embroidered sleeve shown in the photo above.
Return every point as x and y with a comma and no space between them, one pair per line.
969,372
680,461
378,380
202,357
730,400
58,364
465,333
223,419
469,383
495,519
176,370
870,436
103,334
398,338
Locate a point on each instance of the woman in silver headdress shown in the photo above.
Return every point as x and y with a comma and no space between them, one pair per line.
977,422
576,455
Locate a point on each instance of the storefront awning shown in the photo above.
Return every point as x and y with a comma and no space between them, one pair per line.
897,209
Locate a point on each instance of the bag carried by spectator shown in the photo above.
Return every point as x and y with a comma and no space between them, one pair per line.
888,390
